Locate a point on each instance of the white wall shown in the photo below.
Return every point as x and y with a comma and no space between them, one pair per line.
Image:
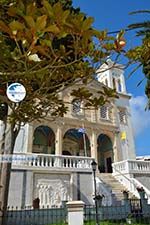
15,197
21,144
128,145
56,187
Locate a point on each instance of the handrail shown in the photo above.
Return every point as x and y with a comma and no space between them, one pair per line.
52,155
133,181
103,191
135,166
129,179
45,161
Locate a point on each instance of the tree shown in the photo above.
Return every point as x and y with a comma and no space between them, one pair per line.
47,48
141,54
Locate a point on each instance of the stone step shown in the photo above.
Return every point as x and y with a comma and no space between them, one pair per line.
114,186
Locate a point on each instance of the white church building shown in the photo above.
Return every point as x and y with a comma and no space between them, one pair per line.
56,155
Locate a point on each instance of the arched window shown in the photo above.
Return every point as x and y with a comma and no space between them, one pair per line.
106,82
76,106
76,142
114,83
104,112
119,86
44,140
122,116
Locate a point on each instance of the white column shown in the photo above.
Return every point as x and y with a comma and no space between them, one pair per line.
30,134
122,80
59,141
110,79
75,212
94,145
94,115
116,147
29,188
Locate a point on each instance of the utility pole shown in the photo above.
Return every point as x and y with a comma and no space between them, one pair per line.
94,167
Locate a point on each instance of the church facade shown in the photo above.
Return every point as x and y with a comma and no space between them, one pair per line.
56,155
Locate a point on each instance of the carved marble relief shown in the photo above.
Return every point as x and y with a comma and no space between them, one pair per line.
52,191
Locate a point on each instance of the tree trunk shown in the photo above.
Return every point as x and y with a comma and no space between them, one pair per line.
10,137
2,132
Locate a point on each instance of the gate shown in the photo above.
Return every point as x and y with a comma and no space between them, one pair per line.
136,207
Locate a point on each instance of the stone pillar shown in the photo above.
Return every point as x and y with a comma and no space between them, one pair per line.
30,134
94,145
94,115
110,79
29,188
122,81
75,212
59,141
116,147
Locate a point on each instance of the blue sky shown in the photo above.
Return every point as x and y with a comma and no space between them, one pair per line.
114,15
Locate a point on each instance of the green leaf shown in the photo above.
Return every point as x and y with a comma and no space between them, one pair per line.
12,11
81,93
4,27
46,42
30,21
15,26
87,23
48,8
62,34
120,35
53,29
65,15
102,35
31,9
41,22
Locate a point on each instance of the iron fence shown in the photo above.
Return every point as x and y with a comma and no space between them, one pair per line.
115,215
131,213
43,216
136,206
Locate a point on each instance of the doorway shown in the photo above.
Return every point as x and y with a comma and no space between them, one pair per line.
105,153
109,165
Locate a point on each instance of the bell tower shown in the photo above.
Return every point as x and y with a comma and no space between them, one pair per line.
111,75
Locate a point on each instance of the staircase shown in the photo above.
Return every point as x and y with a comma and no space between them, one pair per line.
114,186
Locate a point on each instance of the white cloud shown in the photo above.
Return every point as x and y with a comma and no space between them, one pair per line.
140,117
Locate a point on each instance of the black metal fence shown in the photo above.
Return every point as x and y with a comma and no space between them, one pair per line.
130,213
28,216
116,215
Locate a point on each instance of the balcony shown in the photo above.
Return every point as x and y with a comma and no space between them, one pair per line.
132,167
51,162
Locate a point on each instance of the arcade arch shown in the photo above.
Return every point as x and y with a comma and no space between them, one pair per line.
43,140
104,153
76,143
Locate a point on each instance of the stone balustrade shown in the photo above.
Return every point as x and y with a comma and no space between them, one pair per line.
131,173
132,166
47,161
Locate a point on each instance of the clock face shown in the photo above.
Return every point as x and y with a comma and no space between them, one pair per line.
16,92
